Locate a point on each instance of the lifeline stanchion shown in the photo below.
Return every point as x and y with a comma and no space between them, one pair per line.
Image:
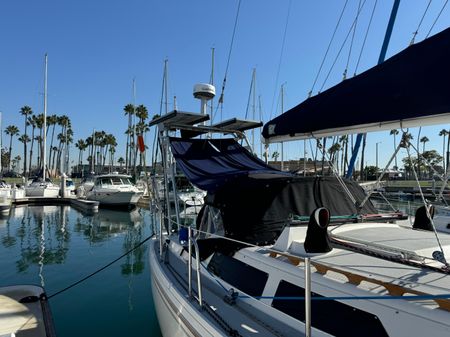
307,297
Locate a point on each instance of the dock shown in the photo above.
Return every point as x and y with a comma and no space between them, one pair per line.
86,206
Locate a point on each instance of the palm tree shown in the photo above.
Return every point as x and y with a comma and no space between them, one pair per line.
121,161
141,128
25,111
333,151
24,139
31,121
52,120
395,132
81,146
129,110
363,150
40,138
443,133
12,131
344,145
423,140
275,155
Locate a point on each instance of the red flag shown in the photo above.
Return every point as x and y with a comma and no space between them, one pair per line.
141,144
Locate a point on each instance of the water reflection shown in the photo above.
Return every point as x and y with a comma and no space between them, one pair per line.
58,246
42,236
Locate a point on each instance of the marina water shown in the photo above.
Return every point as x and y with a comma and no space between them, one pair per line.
55,246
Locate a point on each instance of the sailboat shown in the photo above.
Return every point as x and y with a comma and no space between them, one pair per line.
42,186
304,256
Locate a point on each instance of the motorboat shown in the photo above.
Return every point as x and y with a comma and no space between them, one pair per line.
42,188
114,190
25,311
274,254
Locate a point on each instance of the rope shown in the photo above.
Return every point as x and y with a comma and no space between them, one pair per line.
281,57
220,101
328,49
365,37
101,269
437,18
420,23
342,46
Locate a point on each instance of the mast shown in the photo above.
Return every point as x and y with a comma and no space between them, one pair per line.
254,108
165,87
381,58
1,145
282,109
44,155
211,81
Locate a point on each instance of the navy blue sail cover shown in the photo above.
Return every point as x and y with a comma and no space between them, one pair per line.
412,84
210,163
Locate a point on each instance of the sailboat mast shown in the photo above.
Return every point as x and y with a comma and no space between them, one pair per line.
282,109
44,150
254,107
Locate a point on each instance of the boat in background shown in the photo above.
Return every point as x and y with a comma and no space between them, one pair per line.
114,190
42,186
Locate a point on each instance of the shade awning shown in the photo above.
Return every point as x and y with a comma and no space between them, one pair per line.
410,89
210,163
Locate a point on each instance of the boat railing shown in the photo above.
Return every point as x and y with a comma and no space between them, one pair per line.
193,242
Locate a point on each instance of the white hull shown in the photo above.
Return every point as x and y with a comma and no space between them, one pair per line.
177,316
114,198
47,191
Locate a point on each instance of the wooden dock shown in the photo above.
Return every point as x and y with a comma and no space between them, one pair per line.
86,206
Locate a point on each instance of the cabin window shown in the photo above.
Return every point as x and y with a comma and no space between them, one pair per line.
240,275
333,317
116,181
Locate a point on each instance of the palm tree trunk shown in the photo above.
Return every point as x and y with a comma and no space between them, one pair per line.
25,150
31,148
9,156
363,150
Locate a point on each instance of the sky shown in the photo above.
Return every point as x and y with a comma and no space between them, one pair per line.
97,47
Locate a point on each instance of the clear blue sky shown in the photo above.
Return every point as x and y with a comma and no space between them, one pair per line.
96,48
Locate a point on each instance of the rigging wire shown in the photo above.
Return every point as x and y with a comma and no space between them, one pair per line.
250,94
437,18
420,23
426,205
365,37
328,49
220,101
281,57
351,43
342,47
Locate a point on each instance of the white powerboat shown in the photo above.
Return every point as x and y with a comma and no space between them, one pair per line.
274,254
41,188
114,190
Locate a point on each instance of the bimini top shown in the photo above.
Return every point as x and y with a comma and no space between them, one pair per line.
210,163
409,89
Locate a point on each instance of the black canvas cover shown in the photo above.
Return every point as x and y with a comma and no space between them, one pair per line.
256,210
411,85
210,163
